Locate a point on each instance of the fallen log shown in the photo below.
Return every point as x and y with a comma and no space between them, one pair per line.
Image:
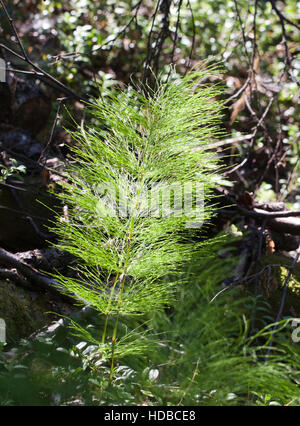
30,274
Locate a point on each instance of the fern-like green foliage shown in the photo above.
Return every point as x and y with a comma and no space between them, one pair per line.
220,362
135,194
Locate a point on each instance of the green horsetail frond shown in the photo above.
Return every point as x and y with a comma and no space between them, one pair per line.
137,192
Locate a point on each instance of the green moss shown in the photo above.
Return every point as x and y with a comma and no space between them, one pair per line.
23,314
14,310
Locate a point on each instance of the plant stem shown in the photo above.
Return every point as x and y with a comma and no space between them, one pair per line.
131,227
108,309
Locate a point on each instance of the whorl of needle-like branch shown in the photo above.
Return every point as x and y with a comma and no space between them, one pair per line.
131,254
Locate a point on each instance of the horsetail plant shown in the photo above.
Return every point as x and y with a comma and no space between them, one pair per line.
136,193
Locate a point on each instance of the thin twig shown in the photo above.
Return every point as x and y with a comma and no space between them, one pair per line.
38,72
57,117
282,16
